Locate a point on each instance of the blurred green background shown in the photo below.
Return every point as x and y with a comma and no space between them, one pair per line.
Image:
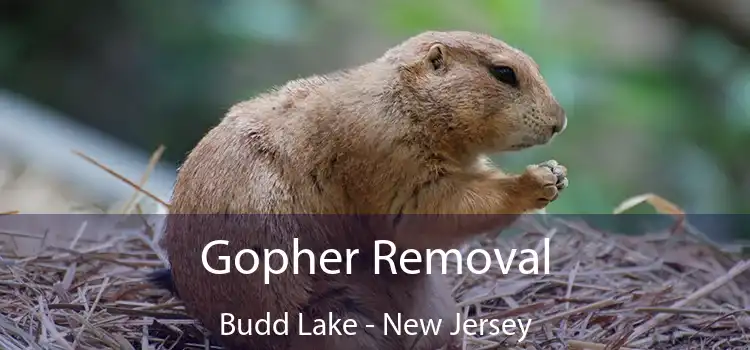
657,92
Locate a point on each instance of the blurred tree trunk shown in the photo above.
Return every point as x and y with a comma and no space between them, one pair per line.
731,17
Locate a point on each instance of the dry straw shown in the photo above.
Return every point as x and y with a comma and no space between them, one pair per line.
668,290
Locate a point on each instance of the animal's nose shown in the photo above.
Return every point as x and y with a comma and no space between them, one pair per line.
560,127
561,122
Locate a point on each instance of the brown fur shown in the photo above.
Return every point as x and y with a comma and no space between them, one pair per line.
405,134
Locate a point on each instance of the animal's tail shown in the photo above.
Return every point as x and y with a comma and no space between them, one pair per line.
162,278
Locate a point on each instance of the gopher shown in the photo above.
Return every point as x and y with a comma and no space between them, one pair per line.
397,149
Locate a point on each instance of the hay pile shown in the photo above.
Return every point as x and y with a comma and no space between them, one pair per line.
660,291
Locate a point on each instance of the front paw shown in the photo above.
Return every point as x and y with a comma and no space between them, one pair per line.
542,183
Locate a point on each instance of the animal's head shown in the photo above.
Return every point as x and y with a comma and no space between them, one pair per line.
472,85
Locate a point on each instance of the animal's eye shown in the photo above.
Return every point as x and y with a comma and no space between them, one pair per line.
505,74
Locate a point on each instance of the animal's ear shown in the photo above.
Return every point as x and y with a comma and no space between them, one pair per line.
436,56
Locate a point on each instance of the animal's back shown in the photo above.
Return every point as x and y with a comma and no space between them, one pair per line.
248,181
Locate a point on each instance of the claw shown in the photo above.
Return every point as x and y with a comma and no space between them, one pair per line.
551,163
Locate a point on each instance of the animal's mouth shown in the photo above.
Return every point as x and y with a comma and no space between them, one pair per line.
531,141
520,146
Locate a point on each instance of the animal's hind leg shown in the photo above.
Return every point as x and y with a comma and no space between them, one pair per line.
365,338
350,303
428,298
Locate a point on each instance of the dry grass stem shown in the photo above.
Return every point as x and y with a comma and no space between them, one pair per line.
122,178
